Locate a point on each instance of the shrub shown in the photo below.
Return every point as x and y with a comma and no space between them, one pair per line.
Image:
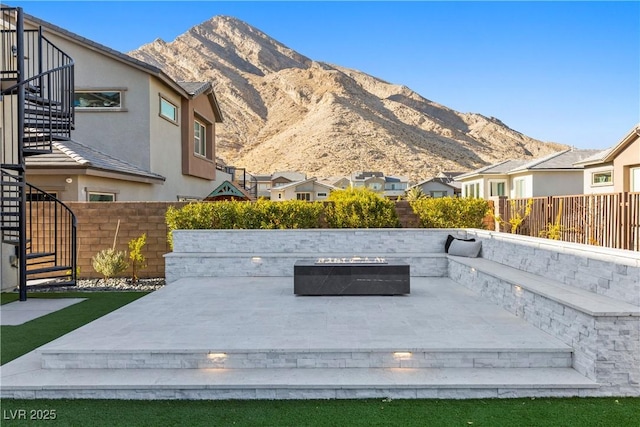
415,193
193,216
136,256
109,262
517,215
264,214
360,208
451,212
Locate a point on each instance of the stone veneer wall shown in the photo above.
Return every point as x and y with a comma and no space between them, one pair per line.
611,272
606,348
202,253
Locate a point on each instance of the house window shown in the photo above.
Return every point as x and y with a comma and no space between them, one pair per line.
635,180
101,197
303,196
602,178
497,188
97,99
41,197
437,194
519,188
200,138
322,195
188,198
168,110
472,190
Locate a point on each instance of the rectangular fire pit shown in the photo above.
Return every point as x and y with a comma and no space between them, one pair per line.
349,277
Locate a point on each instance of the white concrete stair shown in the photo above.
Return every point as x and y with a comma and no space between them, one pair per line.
289,383
251,338
560,357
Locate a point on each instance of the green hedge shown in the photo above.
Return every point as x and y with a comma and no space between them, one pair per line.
451,212
351,208
244,215
360,208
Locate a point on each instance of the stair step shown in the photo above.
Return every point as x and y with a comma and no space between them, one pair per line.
46,112
28,88
53,282
306,359
44,138
37,255
48,270
38,100
12,166
48,125
355,383
35,151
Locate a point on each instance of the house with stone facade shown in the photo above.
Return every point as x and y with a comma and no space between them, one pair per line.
138,134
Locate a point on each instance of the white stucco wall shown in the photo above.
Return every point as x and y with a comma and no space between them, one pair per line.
121,133
9,276
436,186
587,180
557,183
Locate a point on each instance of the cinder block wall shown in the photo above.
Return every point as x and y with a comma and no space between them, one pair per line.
97,224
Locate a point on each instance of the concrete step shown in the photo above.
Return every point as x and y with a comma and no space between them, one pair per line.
307,359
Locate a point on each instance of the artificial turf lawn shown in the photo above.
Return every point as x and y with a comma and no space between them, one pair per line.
618,412
21,339
18,340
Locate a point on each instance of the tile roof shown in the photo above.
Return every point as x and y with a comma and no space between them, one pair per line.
567,159
72,154
195,88
561,160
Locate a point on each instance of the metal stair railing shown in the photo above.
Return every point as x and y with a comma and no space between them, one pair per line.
50,232
36,103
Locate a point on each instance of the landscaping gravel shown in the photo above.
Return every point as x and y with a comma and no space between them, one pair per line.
104,285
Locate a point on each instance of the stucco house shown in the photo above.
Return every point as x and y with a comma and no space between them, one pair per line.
443,185
384,185
138,135
616,169
310,190
265,183
553,175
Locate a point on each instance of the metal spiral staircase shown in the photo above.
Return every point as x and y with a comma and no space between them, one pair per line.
36,107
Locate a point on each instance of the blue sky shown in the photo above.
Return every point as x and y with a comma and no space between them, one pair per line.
566,72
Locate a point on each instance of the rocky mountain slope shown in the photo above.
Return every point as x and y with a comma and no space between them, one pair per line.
284,111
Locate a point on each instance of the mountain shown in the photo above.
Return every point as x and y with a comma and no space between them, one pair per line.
284,111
